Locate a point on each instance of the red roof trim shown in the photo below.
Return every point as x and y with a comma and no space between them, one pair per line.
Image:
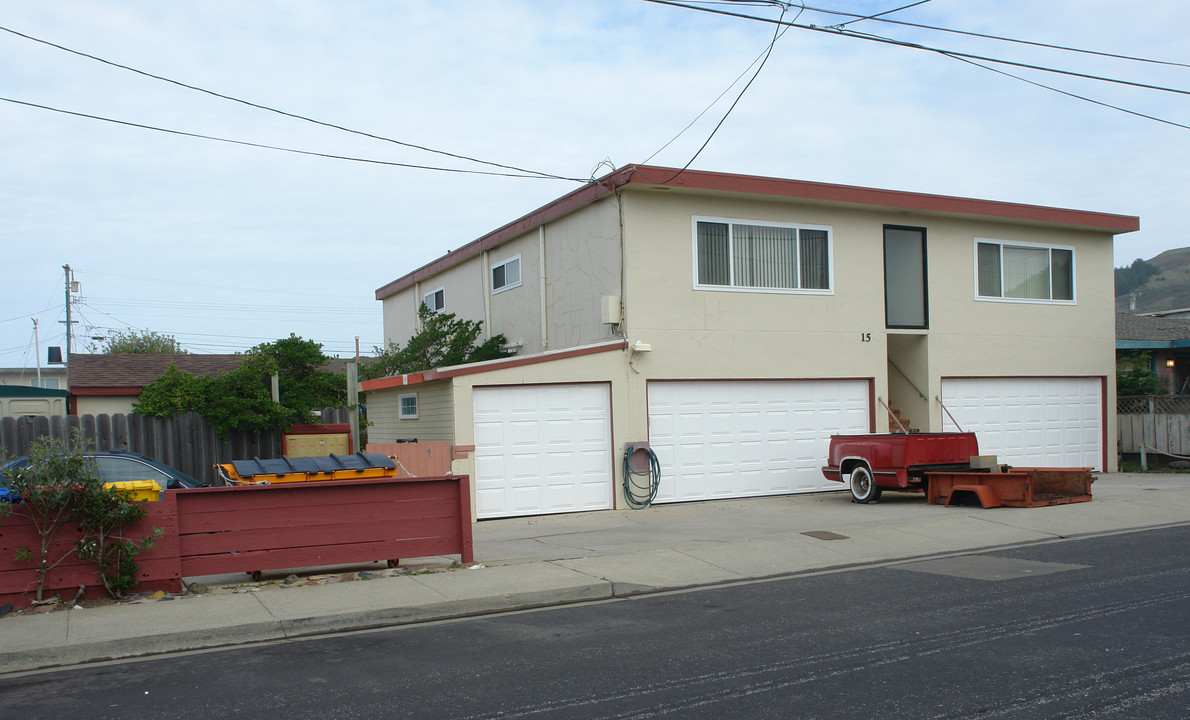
394,381
647,175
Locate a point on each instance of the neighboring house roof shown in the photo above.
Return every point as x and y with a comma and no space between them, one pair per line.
1140,332
1166,313
132,372
645,177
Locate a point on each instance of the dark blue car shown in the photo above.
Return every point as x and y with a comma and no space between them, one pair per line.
116,466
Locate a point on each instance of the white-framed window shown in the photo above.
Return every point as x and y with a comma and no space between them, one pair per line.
506,275
1023,272
758,256
407,406
435,299
45,383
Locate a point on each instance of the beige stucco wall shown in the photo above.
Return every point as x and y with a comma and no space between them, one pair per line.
708,334
583,260
435,421
582,264
101,404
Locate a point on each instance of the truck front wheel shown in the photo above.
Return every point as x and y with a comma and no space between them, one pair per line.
863,487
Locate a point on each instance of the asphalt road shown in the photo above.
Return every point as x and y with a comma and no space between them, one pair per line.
1093,628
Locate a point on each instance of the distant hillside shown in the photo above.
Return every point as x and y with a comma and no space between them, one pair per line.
1168,290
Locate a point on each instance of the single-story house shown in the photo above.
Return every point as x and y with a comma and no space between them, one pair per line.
112,383
33,391
735,322
1168,341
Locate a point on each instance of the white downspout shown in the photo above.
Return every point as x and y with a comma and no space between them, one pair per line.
545,335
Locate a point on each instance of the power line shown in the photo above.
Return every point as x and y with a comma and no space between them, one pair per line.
275,147
879,14
918,46
972,59
284,113
776,35
1000,38
714,102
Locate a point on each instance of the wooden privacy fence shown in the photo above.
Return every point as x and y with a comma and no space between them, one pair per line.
417,458
211,531
186,442
1160,422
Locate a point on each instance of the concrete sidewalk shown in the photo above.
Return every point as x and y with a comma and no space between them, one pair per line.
533,562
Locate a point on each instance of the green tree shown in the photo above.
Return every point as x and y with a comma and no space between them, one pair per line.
304,384
58,473
444,340
174,393
60,485
138,342
1135,376
241,399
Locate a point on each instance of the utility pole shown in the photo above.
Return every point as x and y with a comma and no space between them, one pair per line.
37,351
71,286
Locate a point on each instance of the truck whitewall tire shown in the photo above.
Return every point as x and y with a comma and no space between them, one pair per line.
863,486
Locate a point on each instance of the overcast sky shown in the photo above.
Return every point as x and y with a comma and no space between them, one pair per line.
225,246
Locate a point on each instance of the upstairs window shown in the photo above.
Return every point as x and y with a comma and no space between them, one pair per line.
506,275
436,299
766,257
1024,271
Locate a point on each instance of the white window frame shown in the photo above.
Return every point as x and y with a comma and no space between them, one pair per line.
507,285
401,414
426,299
1031,245
830,257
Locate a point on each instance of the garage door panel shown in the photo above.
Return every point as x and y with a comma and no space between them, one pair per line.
749,438
1055,422
542,449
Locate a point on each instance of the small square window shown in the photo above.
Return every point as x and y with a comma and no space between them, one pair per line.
506,275
408,409
436,300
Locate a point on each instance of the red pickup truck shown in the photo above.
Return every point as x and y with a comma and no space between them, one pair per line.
870,464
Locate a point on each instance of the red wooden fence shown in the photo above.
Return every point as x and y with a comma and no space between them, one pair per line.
211,531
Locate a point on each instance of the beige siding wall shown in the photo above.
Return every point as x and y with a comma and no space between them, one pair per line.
435,421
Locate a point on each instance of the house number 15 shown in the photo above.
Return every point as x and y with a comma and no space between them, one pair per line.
865,337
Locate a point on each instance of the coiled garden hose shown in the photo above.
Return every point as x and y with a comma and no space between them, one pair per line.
638,493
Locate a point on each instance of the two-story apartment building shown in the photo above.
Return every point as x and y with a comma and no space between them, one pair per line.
735,322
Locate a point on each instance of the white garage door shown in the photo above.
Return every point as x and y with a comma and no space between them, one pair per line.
542,449
751,437
1030,422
